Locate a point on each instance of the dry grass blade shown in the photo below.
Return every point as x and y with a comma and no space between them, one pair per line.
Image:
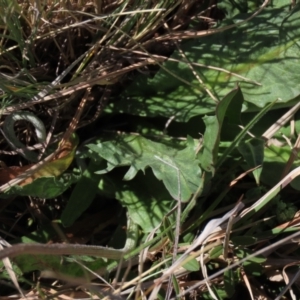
248,284
9,268
268,134
211,228
99,80
234,265
267,197
272,192
289,282
228,231
292,158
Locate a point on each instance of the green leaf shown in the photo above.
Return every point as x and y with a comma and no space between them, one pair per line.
230,282
263,50
167,224
253,268
244,253
234,7
253,152
230,107
66,265
44,187
42,235
178,169
175,285
211,139
146,199
5,275
254,264
275,159
46,181
82,196
232,145
216,252
28,263
192,265
210,144
221,294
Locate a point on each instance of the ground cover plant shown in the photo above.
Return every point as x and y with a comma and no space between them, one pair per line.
149,149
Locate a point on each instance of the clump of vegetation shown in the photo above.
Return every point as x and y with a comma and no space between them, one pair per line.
150,147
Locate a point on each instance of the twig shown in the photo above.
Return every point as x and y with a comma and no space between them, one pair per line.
61,249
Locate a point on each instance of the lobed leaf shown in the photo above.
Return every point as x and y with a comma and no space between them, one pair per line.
264,50
177,168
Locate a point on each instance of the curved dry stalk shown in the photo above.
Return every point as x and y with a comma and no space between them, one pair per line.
65,138
61,249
